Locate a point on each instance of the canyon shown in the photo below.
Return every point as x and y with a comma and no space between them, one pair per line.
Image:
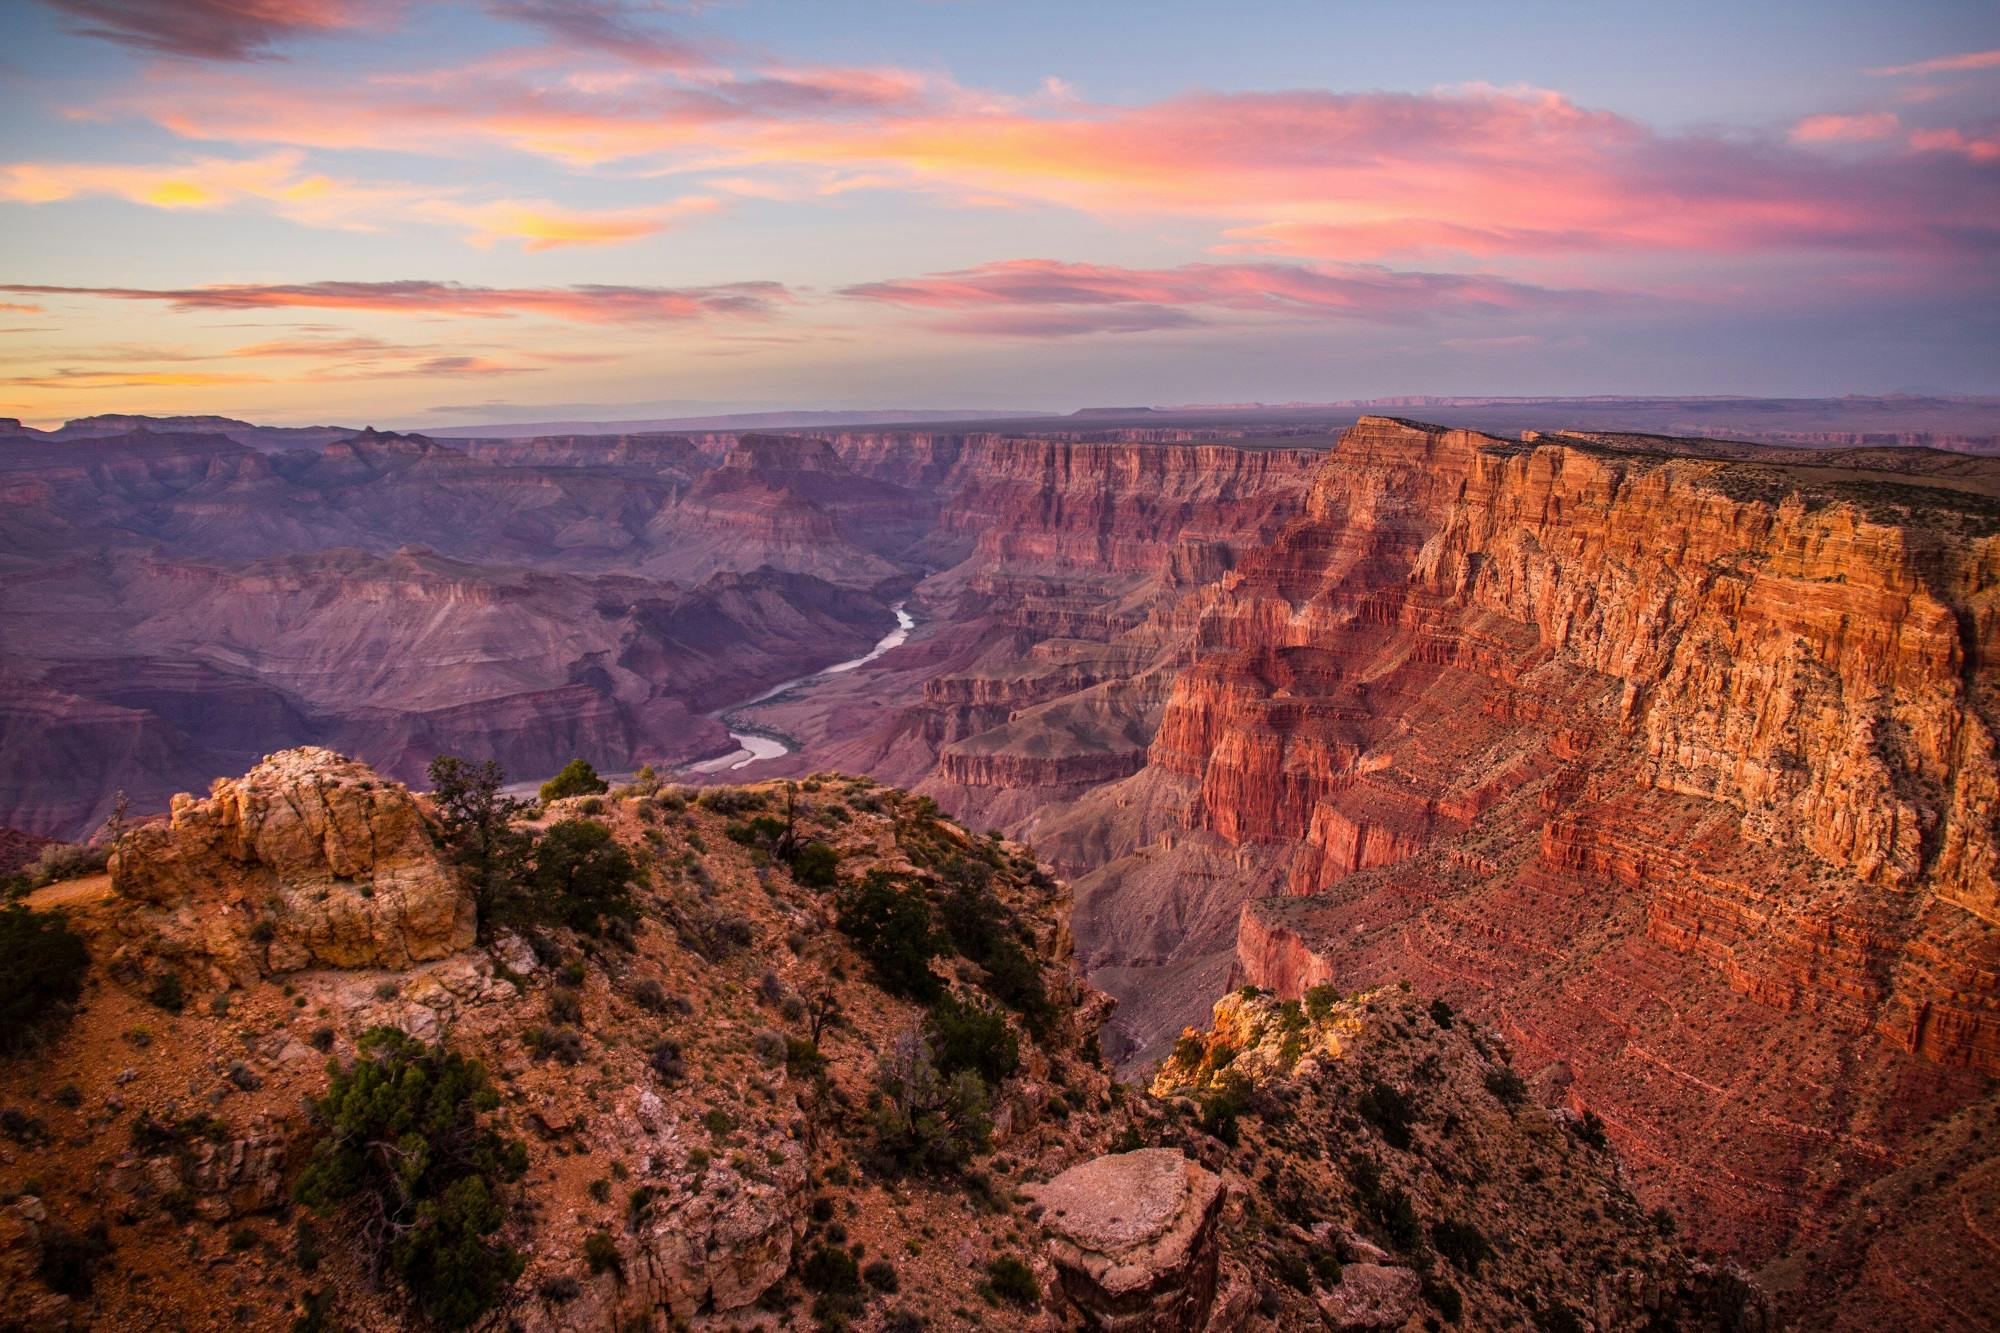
1670,759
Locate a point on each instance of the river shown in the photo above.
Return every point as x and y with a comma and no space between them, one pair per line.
758,746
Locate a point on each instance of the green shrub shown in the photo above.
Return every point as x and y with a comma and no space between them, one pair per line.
582,878
168,992
924,1119
1441,1013
576,779
1319,1001
831,1270
1390,1111
1590,1130
42,966
817,866
968,1035
891,926
406,1143
69,1259
66,860
1506,1085
1462,1243
1013,1280
1221,1106
881,1275
600,1252
476,822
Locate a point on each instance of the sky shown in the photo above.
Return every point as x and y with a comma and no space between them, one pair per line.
407,213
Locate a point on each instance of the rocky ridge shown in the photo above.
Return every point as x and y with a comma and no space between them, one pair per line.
698,1107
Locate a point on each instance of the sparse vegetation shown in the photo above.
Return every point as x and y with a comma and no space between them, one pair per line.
476,822
890,924
406,1146
582,877
576,779
1013,1280
42,968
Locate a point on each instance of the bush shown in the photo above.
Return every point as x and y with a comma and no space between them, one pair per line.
576,779
406,1142
1319,1001
1505,1084
66,860
600,1252
666,1061
563,1045
983,931
881,1275
1390,1112
476,821
924,1119
891,926
1013,1280
168,992
831,1270
1445,1299
42,965
968,1035
1462,1243
69,1259
817,866
582,877
1222,1105
1441,1013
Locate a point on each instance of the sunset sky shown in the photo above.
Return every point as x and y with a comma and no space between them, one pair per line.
404,213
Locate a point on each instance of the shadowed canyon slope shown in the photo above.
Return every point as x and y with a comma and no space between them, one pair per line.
1672,760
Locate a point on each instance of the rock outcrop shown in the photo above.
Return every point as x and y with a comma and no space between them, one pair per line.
308,860
1653,756
1133,1236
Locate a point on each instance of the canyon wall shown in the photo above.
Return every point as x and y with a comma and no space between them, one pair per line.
1679,768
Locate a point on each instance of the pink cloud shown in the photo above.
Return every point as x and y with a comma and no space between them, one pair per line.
1351,177
1974,147
586,303
217,29
1042,297
1872,127
1958,64
614,27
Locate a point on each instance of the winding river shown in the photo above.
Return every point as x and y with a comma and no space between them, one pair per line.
758,746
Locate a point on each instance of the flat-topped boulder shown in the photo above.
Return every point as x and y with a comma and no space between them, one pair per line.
1133,1237
308,860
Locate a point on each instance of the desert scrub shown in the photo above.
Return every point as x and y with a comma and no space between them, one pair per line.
42,966
408,1152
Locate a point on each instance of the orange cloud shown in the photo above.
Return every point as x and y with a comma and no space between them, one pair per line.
586,303
16,308
128,379
277,181
543,226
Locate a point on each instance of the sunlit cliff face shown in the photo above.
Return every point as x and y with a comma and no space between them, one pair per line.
456,208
